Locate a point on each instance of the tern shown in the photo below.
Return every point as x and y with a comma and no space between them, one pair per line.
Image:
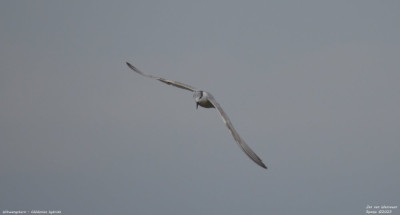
206,100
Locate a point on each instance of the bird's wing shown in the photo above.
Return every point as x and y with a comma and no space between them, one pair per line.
169,82
234,133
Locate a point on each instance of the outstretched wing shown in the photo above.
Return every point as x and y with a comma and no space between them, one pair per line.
234,133
169,82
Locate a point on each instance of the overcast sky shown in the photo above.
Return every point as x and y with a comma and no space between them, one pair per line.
312,87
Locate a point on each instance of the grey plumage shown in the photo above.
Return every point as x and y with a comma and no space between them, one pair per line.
205,99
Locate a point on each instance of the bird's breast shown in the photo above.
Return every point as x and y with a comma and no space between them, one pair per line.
205,103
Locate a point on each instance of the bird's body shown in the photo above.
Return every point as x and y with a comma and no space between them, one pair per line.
206,100
201,98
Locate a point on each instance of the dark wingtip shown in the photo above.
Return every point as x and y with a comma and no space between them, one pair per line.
260,163
128,64
132,67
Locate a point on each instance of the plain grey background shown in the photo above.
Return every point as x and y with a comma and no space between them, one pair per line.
313,87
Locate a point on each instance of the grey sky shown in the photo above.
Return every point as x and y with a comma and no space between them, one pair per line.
312,87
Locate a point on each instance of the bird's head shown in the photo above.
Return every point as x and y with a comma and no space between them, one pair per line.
197,97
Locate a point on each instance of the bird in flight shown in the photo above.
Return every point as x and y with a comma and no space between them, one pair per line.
206,100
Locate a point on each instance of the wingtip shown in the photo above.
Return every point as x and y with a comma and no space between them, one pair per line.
132,67
263,166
